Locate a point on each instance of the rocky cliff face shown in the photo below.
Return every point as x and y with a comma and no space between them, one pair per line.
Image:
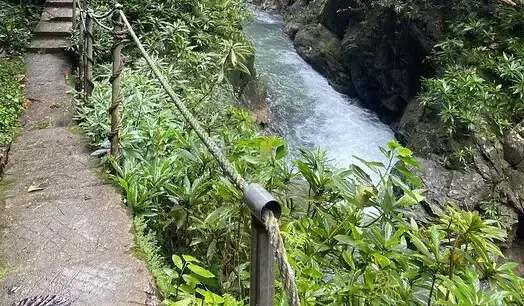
365,52
492,177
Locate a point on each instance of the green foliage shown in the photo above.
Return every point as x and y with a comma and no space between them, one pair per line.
481,85
359,245
148,244
350,236
16,23
11,91
191,283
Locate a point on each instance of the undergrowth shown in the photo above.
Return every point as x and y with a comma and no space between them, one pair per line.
16,23
351,239
11,91
480,85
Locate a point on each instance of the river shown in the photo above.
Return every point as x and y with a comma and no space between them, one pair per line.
304,108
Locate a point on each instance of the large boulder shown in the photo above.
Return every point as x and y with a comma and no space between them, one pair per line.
337,15
323,51
491,177
514,147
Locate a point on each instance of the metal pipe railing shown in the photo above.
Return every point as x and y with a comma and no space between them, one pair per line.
266,241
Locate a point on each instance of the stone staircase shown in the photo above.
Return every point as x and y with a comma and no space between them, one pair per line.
63,229
53,32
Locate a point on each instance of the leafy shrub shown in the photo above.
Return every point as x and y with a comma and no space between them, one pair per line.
481,84
16,23
351,239
10,97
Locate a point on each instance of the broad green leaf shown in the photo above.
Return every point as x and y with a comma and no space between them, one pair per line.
189,258
177,261
200,271
382,260
344,239
420,246
184,302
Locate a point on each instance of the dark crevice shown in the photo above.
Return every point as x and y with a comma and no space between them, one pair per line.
519,234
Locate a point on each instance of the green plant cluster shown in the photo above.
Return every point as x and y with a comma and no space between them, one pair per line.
16,23
480,87
351,237
11,90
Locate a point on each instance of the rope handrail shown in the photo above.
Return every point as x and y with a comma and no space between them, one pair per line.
108,13
97,21
267,212
227,166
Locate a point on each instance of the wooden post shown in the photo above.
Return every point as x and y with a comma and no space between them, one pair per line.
74,14
115,110
82,51
88,73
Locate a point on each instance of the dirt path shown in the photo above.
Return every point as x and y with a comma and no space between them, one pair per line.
63,230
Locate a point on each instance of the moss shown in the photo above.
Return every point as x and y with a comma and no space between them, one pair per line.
4,269
42,125
102,173
3,189
138,253
77,130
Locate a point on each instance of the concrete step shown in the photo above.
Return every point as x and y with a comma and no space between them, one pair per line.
54,29
59,3
49,44
57,14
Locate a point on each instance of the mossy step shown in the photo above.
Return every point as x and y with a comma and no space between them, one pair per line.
53,29
59,3
49,44
57,14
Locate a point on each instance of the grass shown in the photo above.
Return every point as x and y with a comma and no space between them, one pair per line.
3,272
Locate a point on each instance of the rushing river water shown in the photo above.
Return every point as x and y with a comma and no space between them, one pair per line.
304,108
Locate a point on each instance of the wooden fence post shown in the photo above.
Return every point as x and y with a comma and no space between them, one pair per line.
81,47
115,110
74,14
88,63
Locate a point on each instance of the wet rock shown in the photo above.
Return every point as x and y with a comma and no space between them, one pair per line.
292,28
514,147
337,15
323,51
465,188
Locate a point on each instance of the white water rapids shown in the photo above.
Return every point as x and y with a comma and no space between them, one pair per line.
304,108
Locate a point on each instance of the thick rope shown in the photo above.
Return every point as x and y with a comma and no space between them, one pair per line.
286,271
268,219
103,26
228,167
